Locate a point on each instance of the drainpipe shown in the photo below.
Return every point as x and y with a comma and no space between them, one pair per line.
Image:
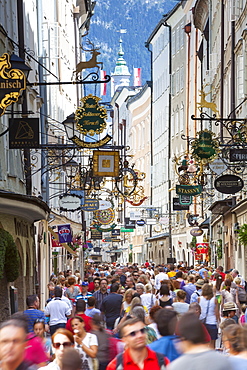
169,142
147,45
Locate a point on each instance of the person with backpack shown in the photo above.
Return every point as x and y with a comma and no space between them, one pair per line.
194,296
133,335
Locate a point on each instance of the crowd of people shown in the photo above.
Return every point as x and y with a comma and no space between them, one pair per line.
130,317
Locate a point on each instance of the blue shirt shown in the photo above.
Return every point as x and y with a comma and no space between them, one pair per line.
166,346
189,289
82,296
195,295
33,315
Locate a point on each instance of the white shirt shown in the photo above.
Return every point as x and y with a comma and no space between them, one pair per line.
52,366
58,310
89,340
158,278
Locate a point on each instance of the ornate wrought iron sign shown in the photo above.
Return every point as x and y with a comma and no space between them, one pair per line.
205,148
12,82
229,184
90,120
188,189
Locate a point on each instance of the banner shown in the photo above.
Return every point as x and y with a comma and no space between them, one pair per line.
64,233
54,242
202,248
137,77
102,86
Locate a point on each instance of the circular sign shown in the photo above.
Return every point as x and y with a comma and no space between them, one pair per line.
196,231
229,184
105,216
140,222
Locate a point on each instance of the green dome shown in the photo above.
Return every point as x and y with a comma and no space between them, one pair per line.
121,68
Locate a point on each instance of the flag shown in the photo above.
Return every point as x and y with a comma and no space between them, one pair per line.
64,233
137,77
103,85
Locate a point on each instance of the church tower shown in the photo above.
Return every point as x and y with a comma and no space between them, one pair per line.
121,75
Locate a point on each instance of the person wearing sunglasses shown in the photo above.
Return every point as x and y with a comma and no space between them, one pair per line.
62,339
133,333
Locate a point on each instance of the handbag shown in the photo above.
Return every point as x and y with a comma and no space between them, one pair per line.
203,321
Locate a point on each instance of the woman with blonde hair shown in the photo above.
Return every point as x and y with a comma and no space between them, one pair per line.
209,312
128,295
234,339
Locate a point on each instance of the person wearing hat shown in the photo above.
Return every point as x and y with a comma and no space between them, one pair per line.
194,296
84,292
229,311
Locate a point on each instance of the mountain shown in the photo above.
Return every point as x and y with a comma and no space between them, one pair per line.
138,18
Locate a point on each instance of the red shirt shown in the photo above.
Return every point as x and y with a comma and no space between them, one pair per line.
150,362
87,321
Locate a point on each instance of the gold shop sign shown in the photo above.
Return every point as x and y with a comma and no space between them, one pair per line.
91,120
12,82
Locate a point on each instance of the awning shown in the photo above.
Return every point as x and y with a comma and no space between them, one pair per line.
65,245
159,236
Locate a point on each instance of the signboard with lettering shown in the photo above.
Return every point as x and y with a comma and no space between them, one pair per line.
12,82
96,234
23,133
188,189
238,155
229,184
90,204
69,202
129,224
218,166
196,231
140,222
90,120
115,232
205,148
177,206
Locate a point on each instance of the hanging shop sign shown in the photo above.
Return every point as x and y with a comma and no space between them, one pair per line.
106,163
115,232
104,229
69,202
123,230
188,189
229,184
104,204
202,248
205,148
196,231
23,133
238,155
90,120
185,200
90,204
218,166
96,234
129,224
64,233
177,206
12,82
140,222
105,217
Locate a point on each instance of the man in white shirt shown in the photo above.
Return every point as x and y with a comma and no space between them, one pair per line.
58,311
158,278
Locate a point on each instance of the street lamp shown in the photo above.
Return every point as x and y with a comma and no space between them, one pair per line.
69,125
19,63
